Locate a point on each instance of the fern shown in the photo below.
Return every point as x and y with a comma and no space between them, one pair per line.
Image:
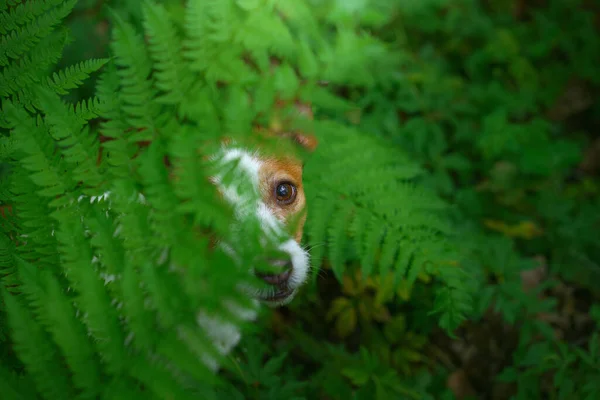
7,265
20,14
102,319
39,159
23,74
386,220
14,44
73,76
15,386
173,76
108,259
33,225
59,316
209,26
66,126
117,151
37,351
138,93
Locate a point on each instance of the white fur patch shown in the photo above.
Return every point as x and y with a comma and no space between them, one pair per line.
224,335
247,172
300,261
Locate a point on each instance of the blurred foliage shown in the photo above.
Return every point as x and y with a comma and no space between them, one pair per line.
497,101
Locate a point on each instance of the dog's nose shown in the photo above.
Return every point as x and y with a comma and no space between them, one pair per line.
277,279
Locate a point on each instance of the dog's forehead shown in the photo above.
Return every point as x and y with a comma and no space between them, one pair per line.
281,168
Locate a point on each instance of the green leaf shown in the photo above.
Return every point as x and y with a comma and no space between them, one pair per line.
357,376
345,323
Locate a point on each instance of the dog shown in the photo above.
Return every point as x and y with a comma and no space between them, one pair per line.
280,208
279,205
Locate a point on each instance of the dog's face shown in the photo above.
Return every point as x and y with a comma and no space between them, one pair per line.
279,205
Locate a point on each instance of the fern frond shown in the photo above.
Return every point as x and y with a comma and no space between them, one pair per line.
34,225
117,150
59,317
166,225
317,231
107,248
74,75
78,147
46,169
87,109
370,242
192,184
166,300
37,352
137,87
8,3
140,319
208,25
16,386
302,20
7,147
92,297
124,388
237,112
158,379
158,305
388,252
27,70
404,259
338,237
381,215
453,301
186,347
263,32
17,42
7,262
173,77
145,256
23,13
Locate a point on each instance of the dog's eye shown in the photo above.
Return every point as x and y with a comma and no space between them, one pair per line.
285,193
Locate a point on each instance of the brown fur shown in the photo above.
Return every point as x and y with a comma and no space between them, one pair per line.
277,169
273,172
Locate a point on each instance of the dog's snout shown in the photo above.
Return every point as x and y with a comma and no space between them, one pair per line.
281,278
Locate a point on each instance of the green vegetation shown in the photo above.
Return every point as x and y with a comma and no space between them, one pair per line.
454,203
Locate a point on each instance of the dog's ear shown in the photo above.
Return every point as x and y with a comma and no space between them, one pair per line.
309,142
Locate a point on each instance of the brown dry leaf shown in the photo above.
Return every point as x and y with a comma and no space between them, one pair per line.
5,209
531,278
459,384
